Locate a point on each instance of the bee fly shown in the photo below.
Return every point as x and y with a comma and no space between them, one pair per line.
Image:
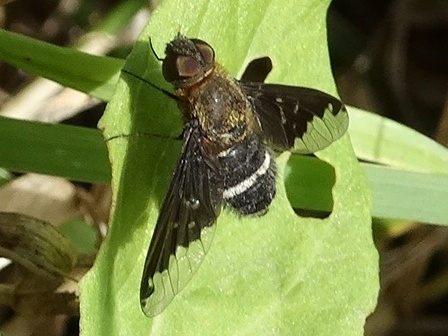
224,158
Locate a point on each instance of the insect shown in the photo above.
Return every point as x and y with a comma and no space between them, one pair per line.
226,159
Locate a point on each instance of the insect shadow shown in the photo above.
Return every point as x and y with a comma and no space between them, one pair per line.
150,144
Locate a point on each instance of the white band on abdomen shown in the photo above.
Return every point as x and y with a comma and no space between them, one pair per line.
248,182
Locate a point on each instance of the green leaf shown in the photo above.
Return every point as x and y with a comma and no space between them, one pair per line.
83,236
5,176
275,274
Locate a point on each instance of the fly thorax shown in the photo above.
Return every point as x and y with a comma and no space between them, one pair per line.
221,109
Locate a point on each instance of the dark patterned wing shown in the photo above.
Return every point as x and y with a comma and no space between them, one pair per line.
185,227
301,119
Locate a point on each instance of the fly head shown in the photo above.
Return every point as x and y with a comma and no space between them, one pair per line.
187,61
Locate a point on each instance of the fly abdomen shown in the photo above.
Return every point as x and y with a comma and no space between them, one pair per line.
249,177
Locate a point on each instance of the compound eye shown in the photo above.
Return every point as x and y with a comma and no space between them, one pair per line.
187,67
207,52
187,59
179,67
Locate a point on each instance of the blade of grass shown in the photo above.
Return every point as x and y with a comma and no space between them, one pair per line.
80,154
73,152
381,140
95,75
90,74
399,194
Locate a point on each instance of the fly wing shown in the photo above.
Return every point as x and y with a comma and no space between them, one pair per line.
301,119
185,227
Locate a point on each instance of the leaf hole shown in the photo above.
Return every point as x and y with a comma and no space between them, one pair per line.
309,183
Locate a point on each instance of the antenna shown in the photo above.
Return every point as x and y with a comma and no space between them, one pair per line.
165,92
154,51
